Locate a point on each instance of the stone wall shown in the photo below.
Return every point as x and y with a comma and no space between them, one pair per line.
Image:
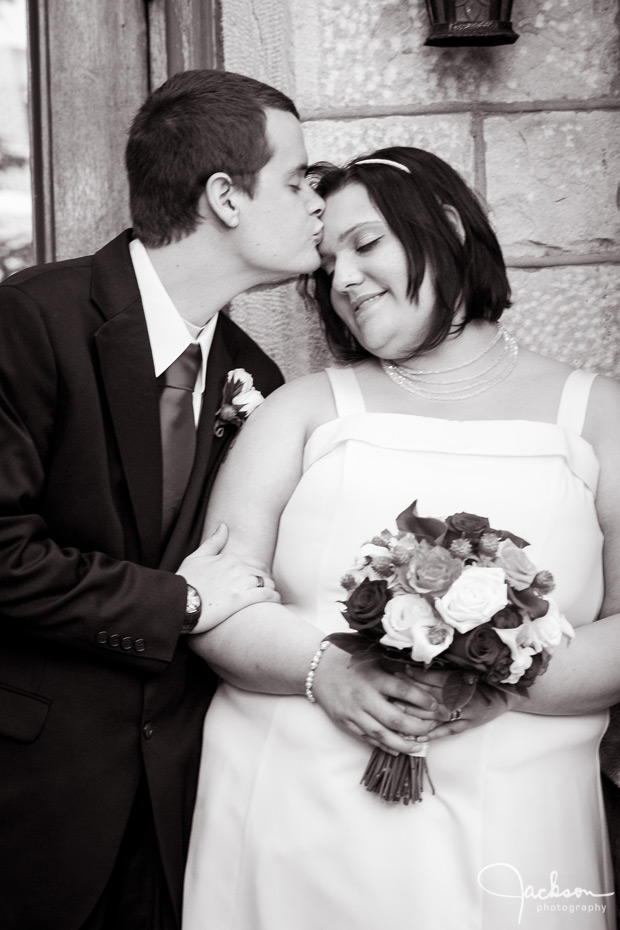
534,127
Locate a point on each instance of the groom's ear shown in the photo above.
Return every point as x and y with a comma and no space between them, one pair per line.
222,198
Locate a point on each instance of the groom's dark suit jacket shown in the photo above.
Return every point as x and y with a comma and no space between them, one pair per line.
96,687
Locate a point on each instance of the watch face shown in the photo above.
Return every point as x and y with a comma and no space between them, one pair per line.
193,604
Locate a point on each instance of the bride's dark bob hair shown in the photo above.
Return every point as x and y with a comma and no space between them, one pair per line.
422,206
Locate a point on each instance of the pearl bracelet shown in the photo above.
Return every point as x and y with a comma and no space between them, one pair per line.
310,676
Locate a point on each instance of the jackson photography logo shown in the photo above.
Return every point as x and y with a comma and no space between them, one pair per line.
552,899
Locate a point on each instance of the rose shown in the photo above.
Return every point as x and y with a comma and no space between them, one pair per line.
467,524
507,618
244,397
481,650
520,572
433,570
365,605
474,597
546,632
239,399
409,621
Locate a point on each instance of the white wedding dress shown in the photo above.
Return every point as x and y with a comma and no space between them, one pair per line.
285,838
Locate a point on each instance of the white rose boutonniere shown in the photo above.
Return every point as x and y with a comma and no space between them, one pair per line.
239,399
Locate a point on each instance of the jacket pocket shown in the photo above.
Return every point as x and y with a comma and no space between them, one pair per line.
22,714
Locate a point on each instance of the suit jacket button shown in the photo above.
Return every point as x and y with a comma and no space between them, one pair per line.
114,640
148,730
102,638
127,642
139,645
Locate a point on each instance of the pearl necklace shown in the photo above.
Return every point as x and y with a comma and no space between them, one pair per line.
458,388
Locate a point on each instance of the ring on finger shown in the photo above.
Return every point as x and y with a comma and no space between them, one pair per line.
456,715
260,581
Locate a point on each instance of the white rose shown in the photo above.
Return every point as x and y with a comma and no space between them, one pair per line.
546,632
473,598
243,377
409,621
245,398
249,401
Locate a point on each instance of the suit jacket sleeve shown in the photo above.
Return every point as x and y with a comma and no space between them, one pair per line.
61,592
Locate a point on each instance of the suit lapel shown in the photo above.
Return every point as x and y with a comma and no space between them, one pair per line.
131,389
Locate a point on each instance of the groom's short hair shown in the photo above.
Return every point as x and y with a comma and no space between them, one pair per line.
195,124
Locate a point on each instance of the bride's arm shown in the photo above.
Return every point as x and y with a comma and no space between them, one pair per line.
269,647
584,674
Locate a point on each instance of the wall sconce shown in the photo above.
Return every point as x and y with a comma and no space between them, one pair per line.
470,22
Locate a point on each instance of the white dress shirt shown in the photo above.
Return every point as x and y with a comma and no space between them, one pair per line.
169,333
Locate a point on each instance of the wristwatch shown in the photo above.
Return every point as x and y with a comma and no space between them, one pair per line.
193,609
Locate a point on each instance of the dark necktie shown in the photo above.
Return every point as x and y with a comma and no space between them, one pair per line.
178,430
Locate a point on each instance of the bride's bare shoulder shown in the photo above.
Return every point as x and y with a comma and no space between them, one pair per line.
315,387
547,375
304,402
541,368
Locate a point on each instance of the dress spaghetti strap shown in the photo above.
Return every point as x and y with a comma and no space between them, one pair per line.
574,400
346,390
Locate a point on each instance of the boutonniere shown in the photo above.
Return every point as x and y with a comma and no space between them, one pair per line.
239,399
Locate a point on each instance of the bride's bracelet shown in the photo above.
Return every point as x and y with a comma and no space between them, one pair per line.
316,658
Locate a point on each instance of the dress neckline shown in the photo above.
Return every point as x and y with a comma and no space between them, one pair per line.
349,400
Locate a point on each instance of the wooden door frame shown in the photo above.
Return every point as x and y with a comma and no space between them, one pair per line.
118,55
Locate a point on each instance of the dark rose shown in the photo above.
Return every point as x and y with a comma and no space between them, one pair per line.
481,650
467,524
365,606
508,618
464,526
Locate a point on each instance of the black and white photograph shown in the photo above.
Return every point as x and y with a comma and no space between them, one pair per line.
310,464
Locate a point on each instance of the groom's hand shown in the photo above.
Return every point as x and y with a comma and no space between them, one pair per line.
225,582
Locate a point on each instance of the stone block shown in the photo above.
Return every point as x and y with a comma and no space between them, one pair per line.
285,326
569,313
448,136
552,181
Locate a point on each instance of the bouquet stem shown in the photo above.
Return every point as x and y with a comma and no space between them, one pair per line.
397,778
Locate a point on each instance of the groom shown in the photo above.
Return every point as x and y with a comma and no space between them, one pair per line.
101,502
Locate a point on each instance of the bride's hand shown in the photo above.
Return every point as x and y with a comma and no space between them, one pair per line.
478,710
367,702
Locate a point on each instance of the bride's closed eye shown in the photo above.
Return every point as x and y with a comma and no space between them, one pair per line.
367,245
361,246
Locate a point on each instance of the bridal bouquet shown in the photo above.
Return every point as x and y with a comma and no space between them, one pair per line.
455,595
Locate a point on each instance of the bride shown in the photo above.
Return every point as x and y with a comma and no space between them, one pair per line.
437,403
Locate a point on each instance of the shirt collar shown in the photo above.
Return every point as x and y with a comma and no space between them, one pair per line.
169,333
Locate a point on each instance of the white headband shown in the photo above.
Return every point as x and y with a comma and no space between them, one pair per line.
381,161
